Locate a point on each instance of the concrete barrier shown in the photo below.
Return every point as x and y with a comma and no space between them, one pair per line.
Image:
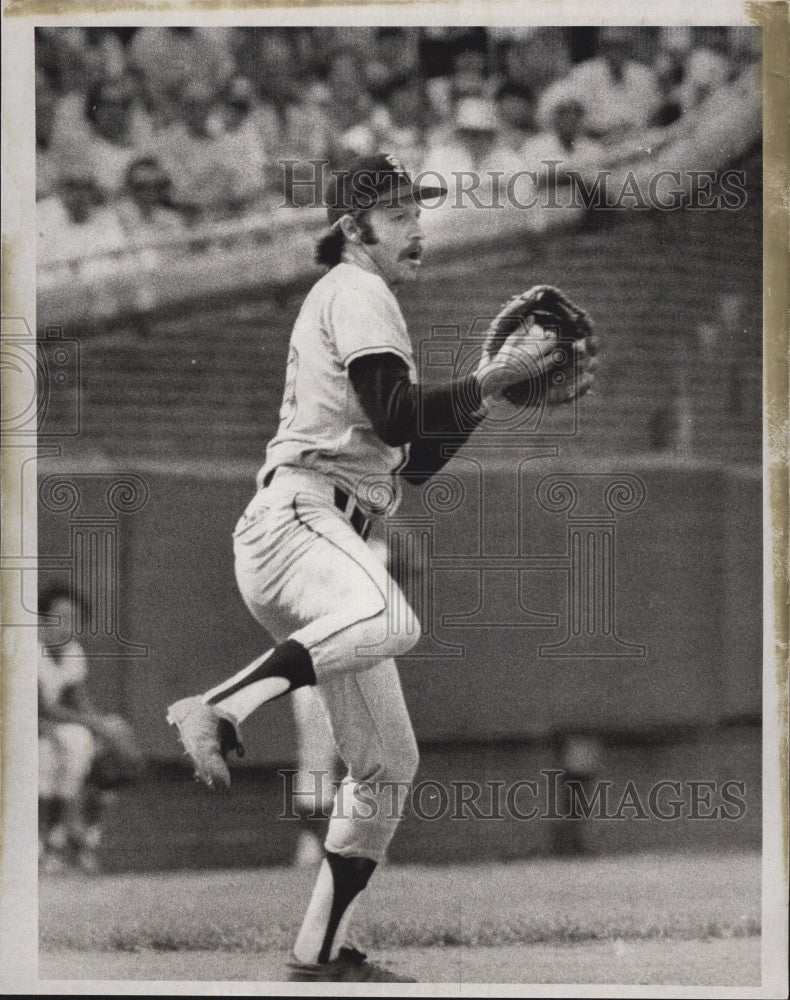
508,593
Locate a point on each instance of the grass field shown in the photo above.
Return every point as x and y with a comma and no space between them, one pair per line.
691,919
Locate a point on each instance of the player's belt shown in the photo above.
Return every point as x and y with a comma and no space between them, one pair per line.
346,503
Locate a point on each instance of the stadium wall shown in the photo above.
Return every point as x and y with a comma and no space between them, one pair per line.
687,579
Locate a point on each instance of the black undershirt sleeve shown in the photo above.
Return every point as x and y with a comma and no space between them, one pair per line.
434,420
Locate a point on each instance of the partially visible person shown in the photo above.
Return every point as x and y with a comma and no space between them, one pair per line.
306,133
475,152
110,131
668,67
170,59
515,106
146,209
242,145
75,742
266,58
723,126
395,56
470,72
80,56
349,100
563,146
619,94
192,153
410,118
400,122
535,60
74,222
103,53
706,67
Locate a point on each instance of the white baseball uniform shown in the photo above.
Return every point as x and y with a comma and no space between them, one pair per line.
349,313
303,567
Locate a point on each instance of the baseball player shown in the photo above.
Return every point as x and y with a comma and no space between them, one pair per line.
81,752
309,550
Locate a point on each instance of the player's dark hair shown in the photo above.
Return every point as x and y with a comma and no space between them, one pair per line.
329,248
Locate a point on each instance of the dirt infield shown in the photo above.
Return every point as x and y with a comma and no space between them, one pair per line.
657,919
735,962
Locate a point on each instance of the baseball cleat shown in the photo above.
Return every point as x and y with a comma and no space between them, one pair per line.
350,966
207,736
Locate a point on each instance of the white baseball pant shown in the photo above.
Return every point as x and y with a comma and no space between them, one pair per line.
305,573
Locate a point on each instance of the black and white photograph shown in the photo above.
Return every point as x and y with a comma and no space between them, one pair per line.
391,461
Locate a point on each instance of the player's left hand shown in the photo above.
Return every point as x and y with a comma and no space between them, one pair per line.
565,328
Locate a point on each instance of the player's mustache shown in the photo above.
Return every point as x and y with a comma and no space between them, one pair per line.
414,249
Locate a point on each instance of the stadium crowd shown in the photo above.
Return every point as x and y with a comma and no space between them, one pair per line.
142,133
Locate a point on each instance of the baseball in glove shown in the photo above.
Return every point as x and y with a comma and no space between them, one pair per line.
544,312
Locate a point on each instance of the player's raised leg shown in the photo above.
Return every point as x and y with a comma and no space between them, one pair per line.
306,563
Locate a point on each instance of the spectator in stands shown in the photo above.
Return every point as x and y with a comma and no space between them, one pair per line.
361,38
409,117
690,64
159,113
515,106
243,145
618,94
307,130
47,53
74,223
718,130
714,131
396,56
400,124
74,739
350,102
170,59
536,60
462,64
266,57
361,139
475,153
291,106
668,67
80,56
192,151
564,146
103,53
111,132
470,74
146,210
706,66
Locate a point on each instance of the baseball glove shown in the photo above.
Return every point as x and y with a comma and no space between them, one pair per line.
547,308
